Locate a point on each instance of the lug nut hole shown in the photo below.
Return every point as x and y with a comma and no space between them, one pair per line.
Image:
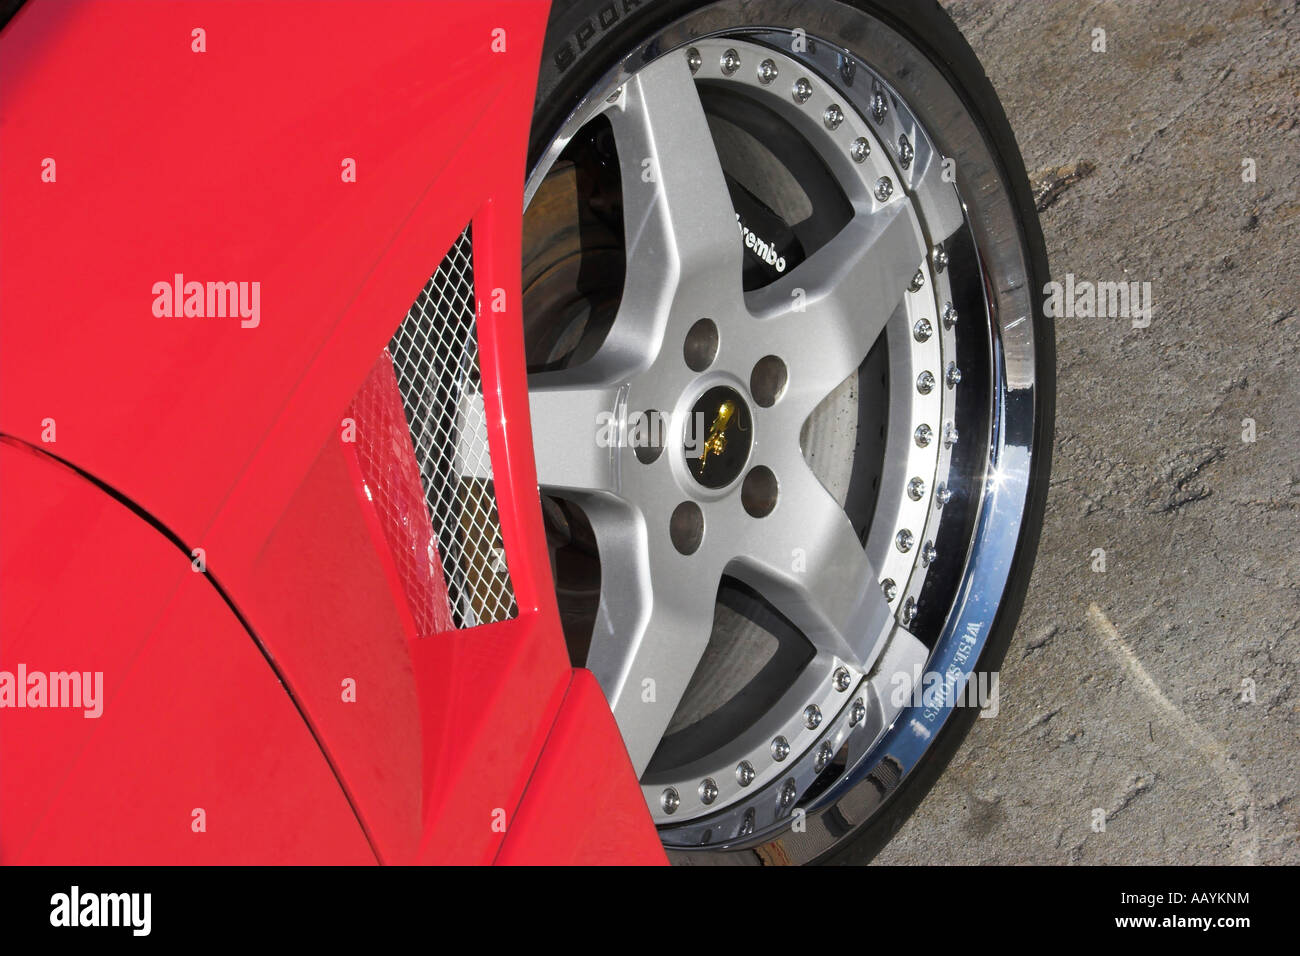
701,346
767,381
686,527
648,432
758,492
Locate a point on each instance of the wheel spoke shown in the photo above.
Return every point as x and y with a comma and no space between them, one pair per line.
807,560
683,245
653,623
824,316
576,430
675,197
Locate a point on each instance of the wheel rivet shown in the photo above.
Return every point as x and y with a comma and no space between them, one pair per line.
905,152
949,316
928,553
824,756
669,800
889,588
949,435
904,540
922,435
767,72
780,749
833,116
802,90
745,773
708,791
916,488
884,188
812,716
860,149
922,330
909,612
747,824
918,280
953,376
858,713
942,495
842,678
730,62
878,107
787,794
940,257
693,59
925,383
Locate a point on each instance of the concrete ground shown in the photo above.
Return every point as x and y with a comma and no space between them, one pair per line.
1123,689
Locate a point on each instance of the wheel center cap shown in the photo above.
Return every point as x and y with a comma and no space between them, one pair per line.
718,437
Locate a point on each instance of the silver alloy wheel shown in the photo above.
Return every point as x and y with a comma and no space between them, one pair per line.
666,538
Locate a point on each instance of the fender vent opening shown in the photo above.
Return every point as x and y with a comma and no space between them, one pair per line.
435,358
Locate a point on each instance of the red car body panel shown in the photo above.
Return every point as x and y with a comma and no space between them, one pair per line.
197,755
601,825
225,165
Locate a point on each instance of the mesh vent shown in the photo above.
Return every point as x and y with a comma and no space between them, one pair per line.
435,357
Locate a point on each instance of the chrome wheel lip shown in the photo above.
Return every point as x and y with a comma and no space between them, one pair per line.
898,743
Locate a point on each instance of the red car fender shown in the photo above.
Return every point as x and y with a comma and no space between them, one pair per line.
212,140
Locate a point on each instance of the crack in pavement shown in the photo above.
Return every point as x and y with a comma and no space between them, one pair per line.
1176,487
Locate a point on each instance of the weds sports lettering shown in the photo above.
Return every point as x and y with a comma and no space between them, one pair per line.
604,18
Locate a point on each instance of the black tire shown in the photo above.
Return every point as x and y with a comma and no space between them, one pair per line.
586,38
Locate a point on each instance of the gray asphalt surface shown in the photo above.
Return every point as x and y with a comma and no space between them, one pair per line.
1123,689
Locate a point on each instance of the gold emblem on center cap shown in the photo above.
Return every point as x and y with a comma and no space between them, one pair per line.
717,440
